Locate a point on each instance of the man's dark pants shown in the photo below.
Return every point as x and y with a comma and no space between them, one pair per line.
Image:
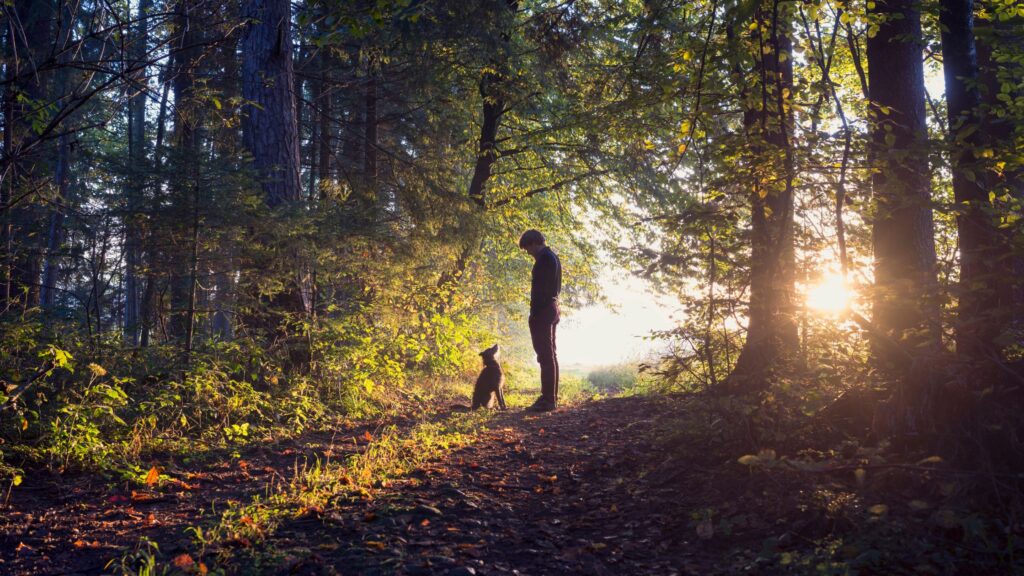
542,331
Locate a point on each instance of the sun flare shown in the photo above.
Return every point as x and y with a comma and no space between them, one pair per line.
832,295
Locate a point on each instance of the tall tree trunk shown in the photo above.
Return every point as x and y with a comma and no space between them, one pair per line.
491,88
326,131
136,178
977,314
270,130
186,159
24,97
904,298
55,229
1004,167
772,336
149,303
270,134
370,144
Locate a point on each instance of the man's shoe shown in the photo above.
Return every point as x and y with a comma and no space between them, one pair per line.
542,405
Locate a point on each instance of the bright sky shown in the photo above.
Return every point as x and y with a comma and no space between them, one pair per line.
601,335
598,335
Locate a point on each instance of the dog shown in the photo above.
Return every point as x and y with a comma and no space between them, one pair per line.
490,384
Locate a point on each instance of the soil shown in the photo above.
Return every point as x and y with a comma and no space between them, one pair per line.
583,489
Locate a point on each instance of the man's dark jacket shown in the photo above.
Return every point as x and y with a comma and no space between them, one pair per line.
546,280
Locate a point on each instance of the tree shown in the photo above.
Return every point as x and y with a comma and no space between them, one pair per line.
772,339
25,105
904,298
1000,166
270,129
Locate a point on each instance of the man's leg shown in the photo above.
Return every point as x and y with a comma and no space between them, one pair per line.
554,351
541,332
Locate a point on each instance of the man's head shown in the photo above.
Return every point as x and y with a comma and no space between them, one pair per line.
532,241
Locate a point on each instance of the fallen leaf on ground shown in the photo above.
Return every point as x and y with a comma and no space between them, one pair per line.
183,561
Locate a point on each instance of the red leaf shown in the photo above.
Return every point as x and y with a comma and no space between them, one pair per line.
183,561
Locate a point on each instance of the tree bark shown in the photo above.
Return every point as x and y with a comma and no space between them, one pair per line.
24,97
136,179
325,132
1003,168
772,337
270,134
55,229
904,299
978,318
269,127
186,160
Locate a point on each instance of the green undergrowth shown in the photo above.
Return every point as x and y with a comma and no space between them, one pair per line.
522,387
243,532
94,406
777,490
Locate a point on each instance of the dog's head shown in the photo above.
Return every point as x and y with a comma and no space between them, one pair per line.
490,354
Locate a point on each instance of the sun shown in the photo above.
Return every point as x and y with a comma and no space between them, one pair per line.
832,295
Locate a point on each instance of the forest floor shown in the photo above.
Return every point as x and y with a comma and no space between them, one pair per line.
601,487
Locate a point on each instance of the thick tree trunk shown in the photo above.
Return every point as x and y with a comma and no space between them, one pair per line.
772,337
904,298
24,95
978,318
270,134
1003,168
186,159
269,127
136,180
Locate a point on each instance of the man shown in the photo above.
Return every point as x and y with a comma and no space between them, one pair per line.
546,284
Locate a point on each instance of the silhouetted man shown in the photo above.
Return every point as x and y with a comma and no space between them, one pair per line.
546,284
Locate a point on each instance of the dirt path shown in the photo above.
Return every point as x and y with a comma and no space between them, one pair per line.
552,493
77,524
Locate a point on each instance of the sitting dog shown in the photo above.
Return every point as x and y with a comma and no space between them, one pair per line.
490,382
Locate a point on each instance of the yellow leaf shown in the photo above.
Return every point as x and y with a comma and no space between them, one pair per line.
860,475
878,509
930,460
376,544
682,148
747,460
153,476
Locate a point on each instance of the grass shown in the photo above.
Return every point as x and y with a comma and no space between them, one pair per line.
312,489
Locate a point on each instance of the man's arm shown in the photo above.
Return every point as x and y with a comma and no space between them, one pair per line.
545,282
